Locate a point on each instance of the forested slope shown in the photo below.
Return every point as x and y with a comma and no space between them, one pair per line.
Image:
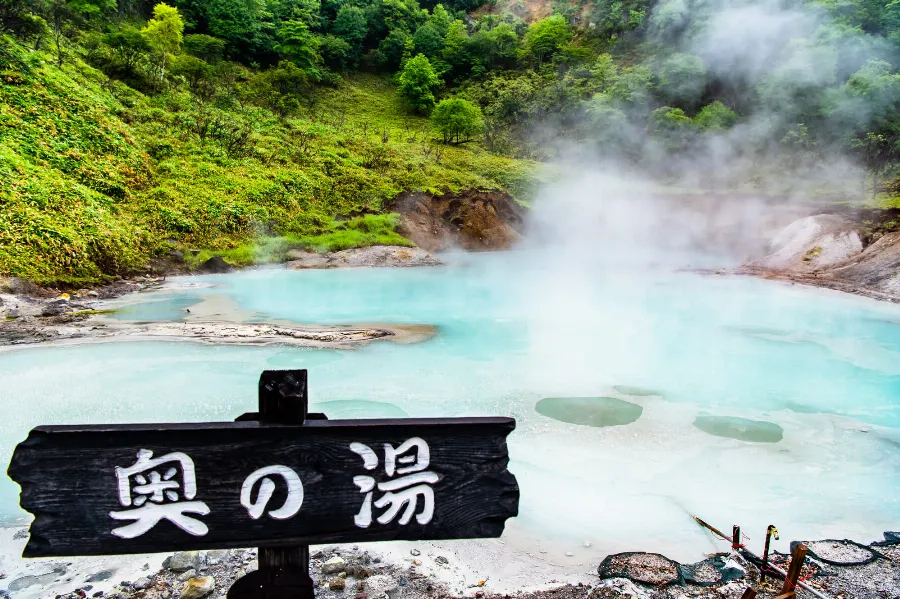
130,128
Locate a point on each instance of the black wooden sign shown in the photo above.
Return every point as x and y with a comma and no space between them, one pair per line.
115,489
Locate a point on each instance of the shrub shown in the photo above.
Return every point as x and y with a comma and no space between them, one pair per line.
455,118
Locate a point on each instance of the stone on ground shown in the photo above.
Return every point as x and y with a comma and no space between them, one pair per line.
195,588
334,565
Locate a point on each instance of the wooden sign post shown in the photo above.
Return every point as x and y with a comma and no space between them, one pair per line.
279,479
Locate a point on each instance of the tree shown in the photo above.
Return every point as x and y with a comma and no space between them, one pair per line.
16,17
428,41
417,84
682,79
351,25
613,17
456,53
164,33
400,14
62,12
195,72
280,89
878,151
237,22
302,47
506,44
336,53
440,19
631,89
455,118
545,37
671,125
610,128
715,116
391,49
890,20
129,46
205,47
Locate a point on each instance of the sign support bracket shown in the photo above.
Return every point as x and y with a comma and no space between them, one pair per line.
283,571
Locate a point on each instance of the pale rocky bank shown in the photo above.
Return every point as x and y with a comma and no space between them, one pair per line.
478,569
849,253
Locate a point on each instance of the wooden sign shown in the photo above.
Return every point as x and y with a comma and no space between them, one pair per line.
139,488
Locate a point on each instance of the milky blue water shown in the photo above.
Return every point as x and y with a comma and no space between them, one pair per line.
512,330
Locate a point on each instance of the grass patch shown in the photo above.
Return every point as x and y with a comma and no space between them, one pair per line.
363,231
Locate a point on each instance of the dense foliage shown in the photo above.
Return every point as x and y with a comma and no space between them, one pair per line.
211,123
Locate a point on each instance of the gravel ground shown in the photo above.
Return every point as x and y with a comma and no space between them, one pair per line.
840,552
341,572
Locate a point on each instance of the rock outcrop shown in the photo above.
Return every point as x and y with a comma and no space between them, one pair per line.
836,252
471,220
373,256
812,243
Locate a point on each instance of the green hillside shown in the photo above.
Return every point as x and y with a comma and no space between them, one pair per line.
96,178
130,128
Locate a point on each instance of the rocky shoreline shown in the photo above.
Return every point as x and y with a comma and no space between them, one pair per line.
409,570
834,252
30,314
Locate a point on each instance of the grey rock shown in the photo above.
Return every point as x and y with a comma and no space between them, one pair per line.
177,255
217,556
101,576
92,294
13,313
442,561
415,553
334,565
383,255
216,264
21,534
55,308
4,594
617,587
141,583
182,561
733,569
187,575
87,587
19,286
299,259
380,584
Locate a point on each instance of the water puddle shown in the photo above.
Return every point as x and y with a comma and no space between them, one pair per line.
742,429
589,411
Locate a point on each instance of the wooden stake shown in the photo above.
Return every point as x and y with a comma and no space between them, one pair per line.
771,531
793,573
283,571
749,594
710,527
735,537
